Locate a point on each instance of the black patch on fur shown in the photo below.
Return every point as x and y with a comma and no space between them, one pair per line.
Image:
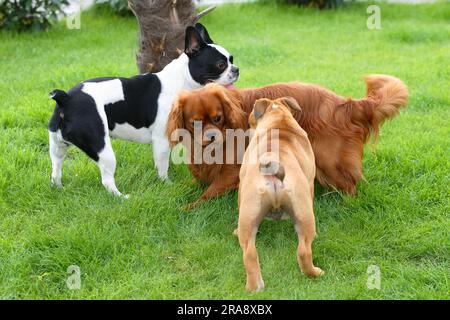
140,106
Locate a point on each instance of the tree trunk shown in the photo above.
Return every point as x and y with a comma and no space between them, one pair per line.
162,24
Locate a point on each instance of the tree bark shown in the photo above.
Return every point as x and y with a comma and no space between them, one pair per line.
162,24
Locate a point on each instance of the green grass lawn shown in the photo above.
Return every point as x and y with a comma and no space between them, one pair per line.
147,247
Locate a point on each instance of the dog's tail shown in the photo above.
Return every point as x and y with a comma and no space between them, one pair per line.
273,172
59,96
389,94
269,165
384,98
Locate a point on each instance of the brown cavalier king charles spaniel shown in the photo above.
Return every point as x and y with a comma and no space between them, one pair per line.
337,127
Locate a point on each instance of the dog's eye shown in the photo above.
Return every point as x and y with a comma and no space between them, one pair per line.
217,119
221,65
231,59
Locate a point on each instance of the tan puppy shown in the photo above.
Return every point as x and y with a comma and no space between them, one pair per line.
277,174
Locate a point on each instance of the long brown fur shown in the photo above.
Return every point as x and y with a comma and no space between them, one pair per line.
337,127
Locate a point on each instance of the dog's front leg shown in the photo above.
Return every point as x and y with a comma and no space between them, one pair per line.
161,154
227,180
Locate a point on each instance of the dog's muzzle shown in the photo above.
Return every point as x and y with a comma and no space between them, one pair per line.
235,71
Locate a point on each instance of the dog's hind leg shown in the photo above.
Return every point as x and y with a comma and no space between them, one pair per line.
107,165
58,151
306,230
249,220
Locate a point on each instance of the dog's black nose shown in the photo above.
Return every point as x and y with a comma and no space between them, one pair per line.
211,136
235,69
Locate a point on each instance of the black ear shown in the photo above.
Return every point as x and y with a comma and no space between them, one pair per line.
193,42
203,33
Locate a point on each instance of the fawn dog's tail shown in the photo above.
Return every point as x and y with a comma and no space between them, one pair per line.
273,172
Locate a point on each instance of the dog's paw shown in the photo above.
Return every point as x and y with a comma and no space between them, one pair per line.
255,287
56,184
120,195
164,178
190,206
316,272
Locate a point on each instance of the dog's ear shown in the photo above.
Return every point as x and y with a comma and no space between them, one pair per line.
260,107
203,33
176,120
291,103
193,42
234,115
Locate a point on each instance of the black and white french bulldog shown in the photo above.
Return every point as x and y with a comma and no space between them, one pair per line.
133,108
